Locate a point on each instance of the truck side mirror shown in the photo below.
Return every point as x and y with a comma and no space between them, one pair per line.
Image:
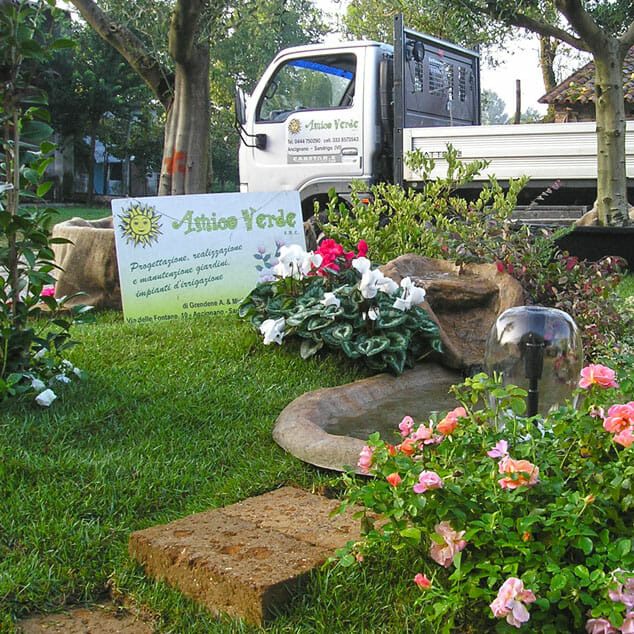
240,107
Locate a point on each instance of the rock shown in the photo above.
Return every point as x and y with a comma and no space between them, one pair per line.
245,560
301,428
591,218
464,300
89,264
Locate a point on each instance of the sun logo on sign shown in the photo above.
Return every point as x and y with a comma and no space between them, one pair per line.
140,225
294,126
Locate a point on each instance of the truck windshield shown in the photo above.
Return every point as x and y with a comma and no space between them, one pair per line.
313,83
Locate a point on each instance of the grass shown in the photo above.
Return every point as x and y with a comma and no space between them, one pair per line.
88,213
173,419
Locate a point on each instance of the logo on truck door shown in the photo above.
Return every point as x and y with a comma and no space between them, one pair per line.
327,139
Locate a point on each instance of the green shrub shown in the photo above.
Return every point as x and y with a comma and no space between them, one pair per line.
30,353
438,223
497,504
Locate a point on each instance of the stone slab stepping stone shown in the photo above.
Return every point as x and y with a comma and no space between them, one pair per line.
244,560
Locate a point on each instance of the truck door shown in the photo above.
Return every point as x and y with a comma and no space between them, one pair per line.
310,111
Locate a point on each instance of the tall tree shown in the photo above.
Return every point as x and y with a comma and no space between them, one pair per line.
374,19
606,30
182,90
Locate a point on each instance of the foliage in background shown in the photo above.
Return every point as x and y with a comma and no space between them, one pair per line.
331,299
438,223
485,495
30,354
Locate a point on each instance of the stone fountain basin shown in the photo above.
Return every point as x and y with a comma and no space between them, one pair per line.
305,426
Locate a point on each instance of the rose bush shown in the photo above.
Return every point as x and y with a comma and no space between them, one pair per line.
338,299
519,522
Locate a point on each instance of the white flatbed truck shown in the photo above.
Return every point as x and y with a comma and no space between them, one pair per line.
325,114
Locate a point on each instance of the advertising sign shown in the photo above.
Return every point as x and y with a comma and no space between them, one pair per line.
182,256
328,138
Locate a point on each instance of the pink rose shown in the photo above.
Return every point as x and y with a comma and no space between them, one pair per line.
428,480
365,459
394,479
422,581
407,447
426,435
510,602
624,592
597,374
600,626
625,437
619,417
526,473
406,426
452,543
501,450
449,423
628,624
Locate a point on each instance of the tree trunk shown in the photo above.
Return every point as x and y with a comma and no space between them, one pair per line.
547,50
91,162
610,114
186,146
185,96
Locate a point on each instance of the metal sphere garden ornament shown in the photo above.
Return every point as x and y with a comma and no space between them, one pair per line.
538,349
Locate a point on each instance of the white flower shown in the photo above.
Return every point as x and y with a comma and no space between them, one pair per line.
330,299
67,364
294,261
411,296
273,330
40,353
77,372
372,314
45,398
38,385
388,285
361,264
61,378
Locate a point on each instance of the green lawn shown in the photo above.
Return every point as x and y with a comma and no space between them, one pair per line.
88,213
172,419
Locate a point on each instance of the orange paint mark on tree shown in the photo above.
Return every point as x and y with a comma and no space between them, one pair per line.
178,163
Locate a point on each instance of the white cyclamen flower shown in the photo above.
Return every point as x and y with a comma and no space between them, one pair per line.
412,295
330,299
294,261
273,330
45,398
61,378
361,264
38,385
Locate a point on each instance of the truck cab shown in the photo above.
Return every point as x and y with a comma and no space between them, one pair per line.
323,115
313,121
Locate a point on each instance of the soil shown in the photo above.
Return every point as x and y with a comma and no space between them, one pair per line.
99,619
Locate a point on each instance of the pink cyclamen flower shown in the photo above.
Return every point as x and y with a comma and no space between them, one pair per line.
600,626
518,473
422,581
427,481
362,248
365,459
620,417
501,450
452,544
394,479
48,291
597,374
406,426
510,602
449,423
